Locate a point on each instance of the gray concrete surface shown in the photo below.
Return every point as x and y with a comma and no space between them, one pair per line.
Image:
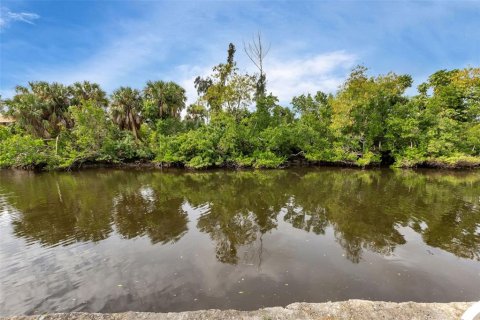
351,309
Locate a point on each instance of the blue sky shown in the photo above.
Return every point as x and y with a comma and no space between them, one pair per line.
314,44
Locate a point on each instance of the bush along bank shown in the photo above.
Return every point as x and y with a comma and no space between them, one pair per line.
369,121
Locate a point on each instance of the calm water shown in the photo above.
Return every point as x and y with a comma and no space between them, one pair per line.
116,240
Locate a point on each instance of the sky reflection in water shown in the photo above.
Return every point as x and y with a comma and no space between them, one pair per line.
116,240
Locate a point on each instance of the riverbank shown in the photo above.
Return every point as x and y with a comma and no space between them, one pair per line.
351,309
298,162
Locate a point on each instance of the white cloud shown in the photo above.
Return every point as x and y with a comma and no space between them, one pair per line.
113,65
133,51
7,17
286,77
325,72
185,76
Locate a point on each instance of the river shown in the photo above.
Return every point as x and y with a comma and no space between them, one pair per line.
112,240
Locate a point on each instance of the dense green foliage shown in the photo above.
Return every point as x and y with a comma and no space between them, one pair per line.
368,121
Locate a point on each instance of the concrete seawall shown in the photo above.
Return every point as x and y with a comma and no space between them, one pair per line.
351,309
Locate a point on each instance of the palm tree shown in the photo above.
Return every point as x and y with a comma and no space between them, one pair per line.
163,100
41,108
126,105
83,91
196,115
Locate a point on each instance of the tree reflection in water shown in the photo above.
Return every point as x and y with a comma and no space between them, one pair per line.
365,208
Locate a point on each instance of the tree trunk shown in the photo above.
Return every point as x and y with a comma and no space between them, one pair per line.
133,125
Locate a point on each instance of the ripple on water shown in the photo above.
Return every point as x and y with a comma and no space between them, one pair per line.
116,240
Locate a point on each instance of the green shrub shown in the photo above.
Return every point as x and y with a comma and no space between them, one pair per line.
244,161
409,158
267,159
22,150
368,158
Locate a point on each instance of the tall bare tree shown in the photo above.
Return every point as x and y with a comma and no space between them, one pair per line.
256,52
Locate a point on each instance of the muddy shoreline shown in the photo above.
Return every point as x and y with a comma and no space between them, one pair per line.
351,309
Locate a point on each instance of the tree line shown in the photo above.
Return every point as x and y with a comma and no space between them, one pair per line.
235,122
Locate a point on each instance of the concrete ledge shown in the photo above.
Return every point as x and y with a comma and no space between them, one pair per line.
351,309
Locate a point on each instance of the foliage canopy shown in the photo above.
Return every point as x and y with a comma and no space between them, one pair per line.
368,121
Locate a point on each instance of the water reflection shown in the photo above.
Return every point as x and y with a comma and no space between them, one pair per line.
364,208
118,240
148,211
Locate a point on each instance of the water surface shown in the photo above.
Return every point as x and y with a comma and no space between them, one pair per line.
115,240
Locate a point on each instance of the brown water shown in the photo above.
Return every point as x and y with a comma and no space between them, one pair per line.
117,240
